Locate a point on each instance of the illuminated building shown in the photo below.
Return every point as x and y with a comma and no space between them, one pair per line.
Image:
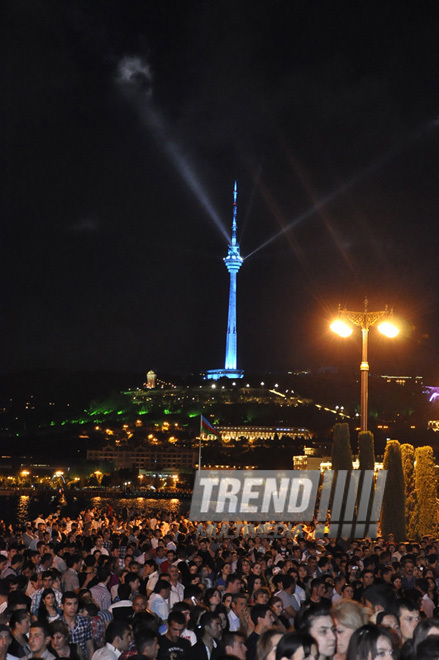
233,263
151,379
148,458
252,433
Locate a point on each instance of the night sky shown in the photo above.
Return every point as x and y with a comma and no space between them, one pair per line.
124,124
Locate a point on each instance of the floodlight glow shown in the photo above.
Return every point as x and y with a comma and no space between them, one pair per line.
388,329
341,328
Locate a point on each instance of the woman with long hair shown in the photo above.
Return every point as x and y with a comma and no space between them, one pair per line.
347,617
296,646
48,611
396,580
425,628
428,649
254,583
221,611
243,567
371,643
227,601
226,570
432,590
390,622
266,645
19,625
212,598
266,562
276,606
258,572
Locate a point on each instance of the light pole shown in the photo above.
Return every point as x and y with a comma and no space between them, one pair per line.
364,320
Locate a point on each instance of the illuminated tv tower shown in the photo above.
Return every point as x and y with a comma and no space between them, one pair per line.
233,263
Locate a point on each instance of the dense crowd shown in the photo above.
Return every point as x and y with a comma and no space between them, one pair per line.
113,585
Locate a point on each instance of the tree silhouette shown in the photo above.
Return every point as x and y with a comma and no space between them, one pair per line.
366,450
341,448
411,495
393,509
425,481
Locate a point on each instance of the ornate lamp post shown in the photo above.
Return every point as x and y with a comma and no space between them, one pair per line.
364,320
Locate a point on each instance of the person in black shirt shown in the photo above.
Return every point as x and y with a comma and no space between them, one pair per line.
263,618
206,554
19,624
171,645
146,644
207,647
317,595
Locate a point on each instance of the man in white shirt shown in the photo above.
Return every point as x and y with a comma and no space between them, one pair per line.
117,639
158,601
150,575
239,603
155,538
177,589
100,546
338,584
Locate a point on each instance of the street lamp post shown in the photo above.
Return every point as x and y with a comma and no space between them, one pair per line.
364,320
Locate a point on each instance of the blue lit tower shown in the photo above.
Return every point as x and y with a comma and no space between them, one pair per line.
233,263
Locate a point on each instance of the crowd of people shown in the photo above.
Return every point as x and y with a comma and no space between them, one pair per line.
110,585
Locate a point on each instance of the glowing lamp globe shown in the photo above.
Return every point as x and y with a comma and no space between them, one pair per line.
388,329
341,328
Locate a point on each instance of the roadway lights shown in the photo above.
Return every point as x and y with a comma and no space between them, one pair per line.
342,326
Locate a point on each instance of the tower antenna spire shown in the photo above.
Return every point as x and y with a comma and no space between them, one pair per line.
235,213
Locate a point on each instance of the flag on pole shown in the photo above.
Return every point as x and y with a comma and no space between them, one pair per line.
207,428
